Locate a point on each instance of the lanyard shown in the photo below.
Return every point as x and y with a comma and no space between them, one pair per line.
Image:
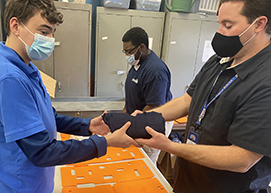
205,105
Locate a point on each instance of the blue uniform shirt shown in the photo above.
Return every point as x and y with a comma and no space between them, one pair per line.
147,85
26,113
25,110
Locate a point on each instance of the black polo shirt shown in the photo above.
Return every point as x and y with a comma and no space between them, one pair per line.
241,115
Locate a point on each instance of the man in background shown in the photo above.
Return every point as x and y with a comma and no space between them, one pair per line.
148,81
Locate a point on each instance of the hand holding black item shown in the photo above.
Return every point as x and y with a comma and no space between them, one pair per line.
139,122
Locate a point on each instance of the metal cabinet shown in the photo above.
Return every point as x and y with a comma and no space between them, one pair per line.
185,40
1,32
2,6
111,66
70,62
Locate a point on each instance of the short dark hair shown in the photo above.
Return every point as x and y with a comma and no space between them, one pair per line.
23,10
255,8
137,36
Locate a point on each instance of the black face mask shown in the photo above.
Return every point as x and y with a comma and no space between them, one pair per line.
229,46
226,46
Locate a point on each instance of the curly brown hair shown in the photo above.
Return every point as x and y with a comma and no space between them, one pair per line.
23,10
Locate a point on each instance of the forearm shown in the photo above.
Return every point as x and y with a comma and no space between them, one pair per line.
230,158
43,151
72,125
175,108
149,107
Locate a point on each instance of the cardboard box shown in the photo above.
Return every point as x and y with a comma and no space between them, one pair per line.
165,163
49,83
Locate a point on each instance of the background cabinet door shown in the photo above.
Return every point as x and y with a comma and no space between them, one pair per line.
2,8
1,25
72,57
182,53
183,46
111,69
111,66
208,29
70,62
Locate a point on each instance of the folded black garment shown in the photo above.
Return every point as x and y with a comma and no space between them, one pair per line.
138,123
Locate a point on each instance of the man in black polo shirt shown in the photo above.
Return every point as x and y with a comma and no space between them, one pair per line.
227,143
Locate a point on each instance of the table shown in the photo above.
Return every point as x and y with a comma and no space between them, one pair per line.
156,173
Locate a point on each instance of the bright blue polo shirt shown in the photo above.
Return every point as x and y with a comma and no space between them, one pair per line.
25,109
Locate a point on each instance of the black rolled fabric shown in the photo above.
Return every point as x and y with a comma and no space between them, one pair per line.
138,123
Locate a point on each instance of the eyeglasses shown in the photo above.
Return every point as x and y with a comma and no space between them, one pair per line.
129,52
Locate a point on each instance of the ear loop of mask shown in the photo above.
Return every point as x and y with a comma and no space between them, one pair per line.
29,32
139,55
247,30
28,29
22,41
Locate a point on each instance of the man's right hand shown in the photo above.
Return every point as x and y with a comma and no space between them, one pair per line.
120,139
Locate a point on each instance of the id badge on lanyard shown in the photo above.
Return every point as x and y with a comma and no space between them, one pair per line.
193,135
194,132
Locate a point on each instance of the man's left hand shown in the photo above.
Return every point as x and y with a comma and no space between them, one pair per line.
98,126
158,140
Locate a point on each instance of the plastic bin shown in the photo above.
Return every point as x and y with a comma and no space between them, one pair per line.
116,3
150,5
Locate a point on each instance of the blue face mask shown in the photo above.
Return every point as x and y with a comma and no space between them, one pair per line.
131,59
41,48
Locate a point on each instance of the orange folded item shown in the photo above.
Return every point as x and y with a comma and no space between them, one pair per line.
96,189
181,120
105,173
140,186
114,154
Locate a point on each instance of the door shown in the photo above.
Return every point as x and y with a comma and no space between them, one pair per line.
72,56
2,8
184,44
111,65
182,53
207,32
